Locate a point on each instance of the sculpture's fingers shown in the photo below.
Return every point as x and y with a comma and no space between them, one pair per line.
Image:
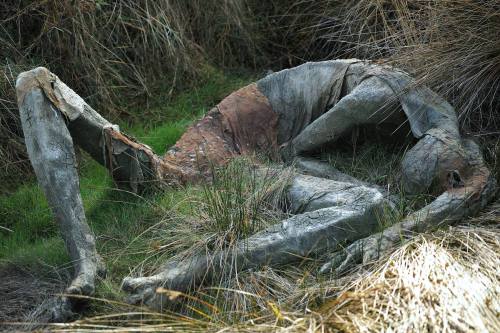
142,290
360,252
336,259
143,297
345,259
53,310
354,258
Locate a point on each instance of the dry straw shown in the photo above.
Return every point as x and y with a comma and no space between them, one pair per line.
444,282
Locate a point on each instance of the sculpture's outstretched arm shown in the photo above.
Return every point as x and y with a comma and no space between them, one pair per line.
453,205
371,102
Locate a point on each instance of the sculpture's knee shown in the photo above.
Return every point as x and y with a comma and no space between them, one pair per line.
39,77
434,165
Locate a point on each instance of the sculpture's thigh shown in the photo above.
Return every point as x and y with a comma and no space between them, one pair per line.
371,102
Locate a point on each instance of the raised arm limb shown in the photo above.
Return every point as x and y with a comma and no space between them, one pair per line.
372,102
54,117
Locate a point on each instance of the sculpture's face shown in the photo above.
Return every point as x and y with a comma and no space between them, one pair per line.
433,166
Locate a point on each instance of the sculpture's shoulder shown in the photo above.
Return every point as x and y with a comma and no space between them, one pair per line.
310,69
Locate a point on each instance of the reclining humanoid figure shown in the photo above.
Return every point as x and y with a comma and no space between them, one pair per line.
286,115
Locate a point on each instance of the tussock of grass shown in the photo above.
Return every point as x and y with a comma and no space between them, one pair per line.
446,282
240,200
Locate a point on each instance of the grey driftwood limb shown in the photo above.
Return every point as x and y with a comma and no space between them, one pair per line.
50,148
286,115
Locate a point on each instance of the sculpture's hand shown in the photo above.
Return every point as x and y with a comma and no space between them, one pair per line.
361,252
143,291
287,152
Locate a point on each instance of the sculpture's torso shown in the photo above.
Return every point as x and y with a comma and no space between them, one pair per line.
259,118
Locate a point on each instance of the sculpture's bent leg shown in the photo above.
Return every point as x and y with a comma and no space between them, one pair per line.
329,213
52,116
51,152
453,205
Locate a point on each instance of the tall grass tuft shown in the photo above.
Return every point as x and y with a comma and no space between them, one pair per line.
241,199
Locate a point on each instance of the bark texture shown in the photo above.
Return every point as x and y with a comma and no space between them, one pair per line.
50,148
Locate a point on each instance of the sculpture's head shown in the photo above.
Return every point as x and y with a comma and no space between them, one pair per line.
435,164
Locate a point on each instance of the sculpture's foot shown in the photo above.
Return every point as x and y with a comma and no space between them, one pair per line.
59,309
143,290
88,271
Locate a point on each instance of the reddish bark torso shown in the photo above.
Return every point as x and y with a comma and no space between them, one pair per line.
241,124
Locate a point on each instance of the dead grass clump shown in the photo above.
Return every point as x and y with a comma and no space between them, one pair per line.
443,282
226,31
242,199
452,46
293,31
21,291
110,50
104,50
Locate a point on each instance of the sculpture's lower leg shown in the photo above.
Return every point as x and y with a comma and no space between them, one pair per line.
51,152
329,213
